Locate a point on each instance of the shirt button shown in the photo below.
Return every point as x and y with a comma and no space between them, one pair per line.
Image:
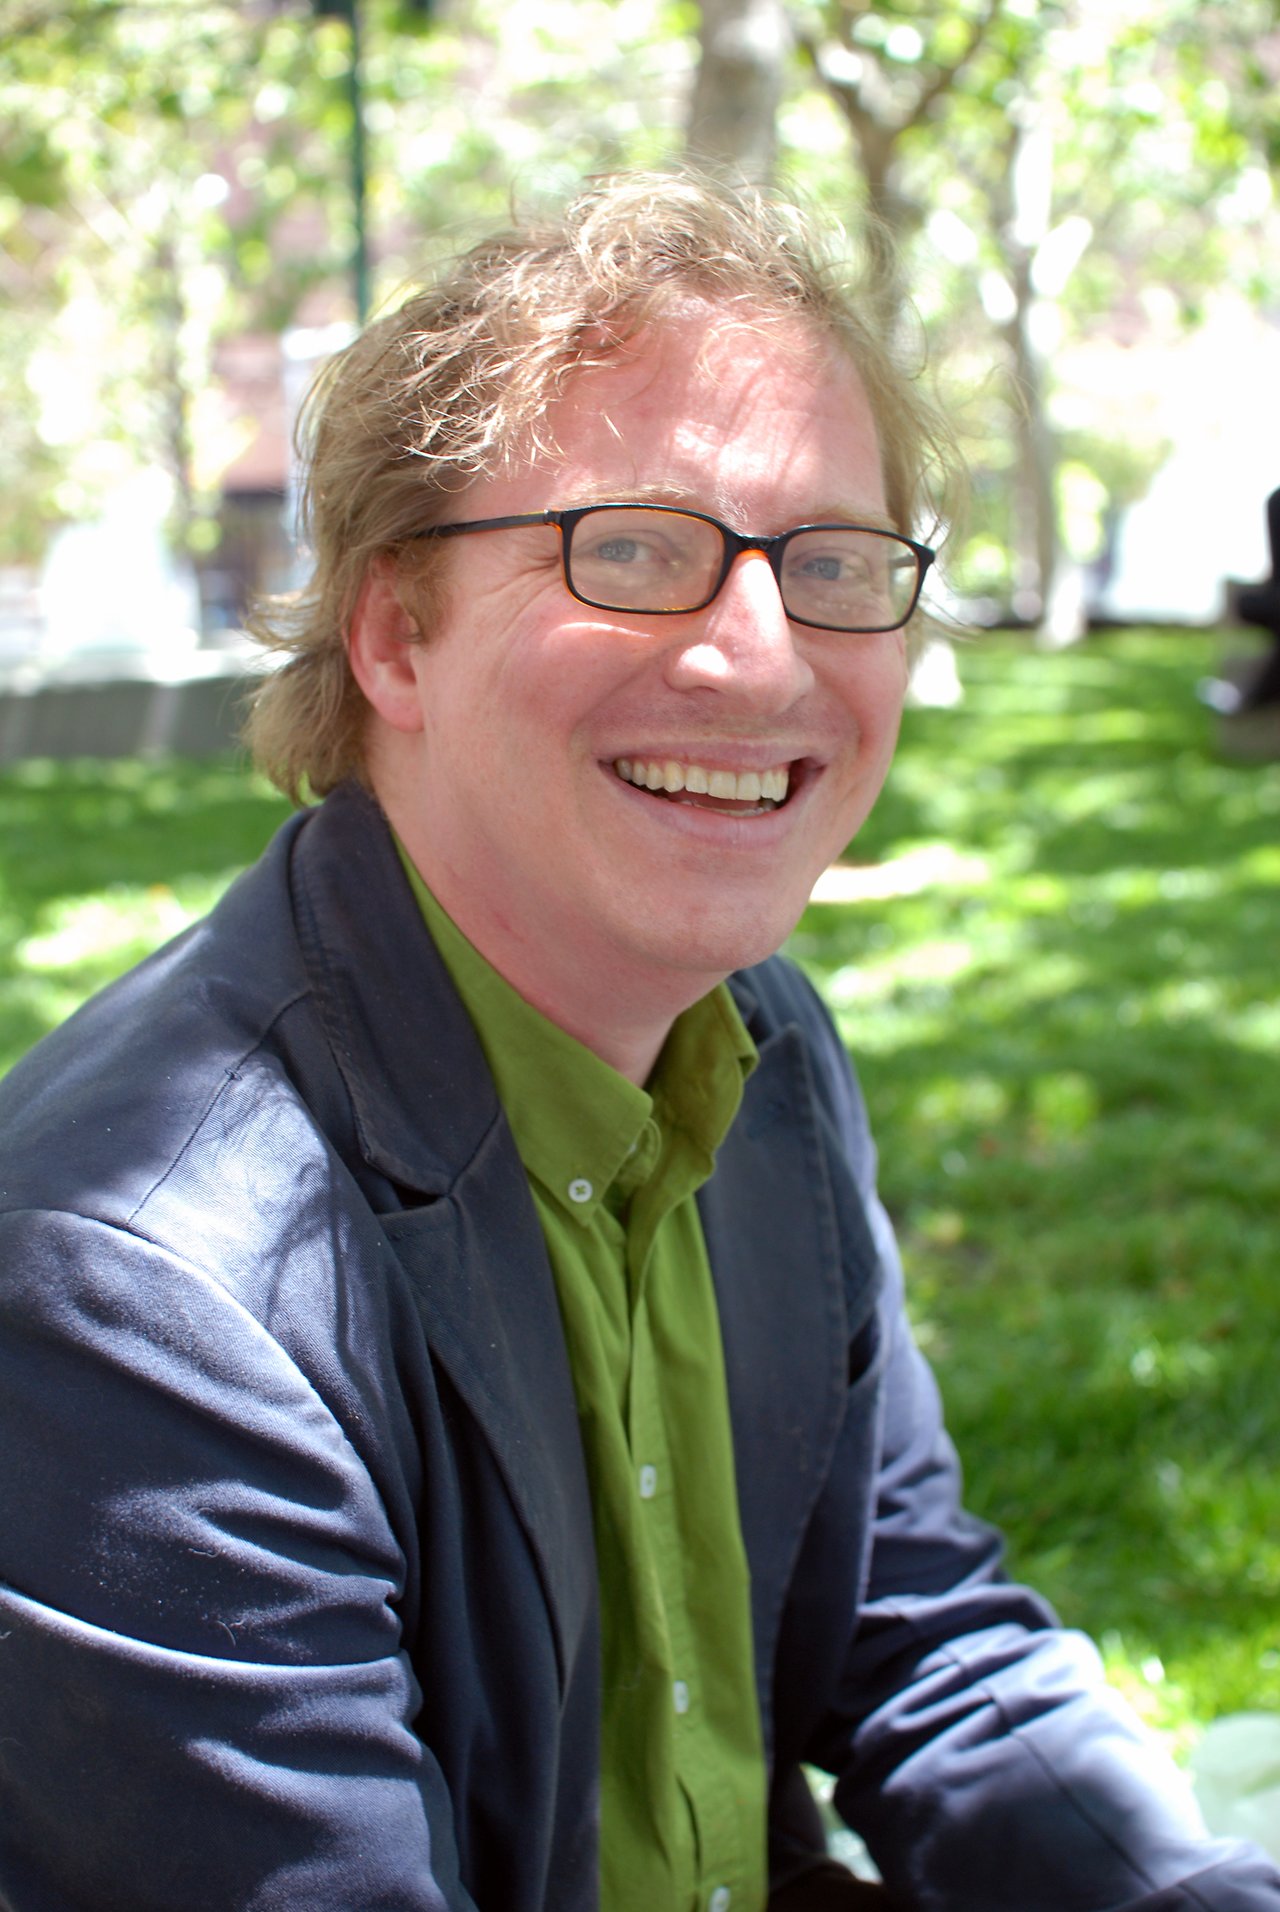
580,1190
719,1900
680,1696
648,1482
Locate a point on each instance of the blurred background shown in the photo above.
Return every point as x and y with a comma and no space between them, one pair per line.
1053,949
198,201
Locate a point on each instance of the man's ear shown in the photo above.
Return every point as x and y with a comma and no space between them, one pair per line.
381,639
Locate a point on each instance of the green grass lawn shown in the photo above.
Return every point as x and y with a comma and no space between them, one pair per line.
1069,1038
102,861
1069,1041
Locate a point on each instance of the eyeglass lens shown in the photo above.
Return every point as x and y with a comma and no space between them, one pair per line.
842,579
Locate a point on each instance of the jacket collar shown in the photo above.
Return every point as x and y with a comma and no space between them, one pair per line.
422,1097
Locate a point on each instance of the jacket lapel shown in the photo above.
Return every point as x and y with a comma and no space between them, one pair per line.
796,1275
487,1298
464,1226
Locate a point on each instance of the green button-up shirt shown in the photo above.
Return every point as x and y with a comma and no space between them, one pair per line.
613,1170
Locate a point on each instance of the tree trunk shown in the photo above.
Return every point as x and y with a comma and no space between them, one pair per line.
733,113
1035,550
173,388
1040,583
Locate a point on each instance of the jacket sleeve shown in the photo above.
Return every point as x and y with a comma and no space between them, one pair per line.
204,1699
977,1746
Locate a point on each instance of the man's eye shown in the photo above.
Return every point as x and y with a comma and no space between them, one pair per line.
618,550
828,570
850,569
653,553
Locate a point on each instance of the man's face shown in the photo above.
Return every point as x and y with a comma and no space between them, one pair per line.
517,806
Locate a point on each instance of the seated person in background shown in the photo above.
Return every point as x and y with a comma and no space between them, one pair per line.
1260,604
463,1444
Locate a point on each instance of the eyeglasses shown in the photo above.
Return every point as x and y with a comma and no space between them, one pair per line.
661,561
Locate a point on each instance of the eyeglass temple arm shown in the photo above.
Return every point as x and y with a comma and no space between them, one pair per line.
485,524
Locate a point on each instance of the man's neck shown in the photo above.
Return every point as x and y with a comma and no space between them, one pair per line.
622,1017
596,1011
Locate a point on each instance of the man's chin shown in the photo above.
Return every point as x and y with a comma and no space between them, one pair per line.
711,950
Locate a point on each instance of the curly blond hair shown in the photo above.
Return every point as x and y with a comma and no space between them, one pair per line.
459,380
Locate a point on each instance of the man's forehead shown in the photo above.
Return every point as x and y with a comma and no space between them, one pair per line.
694,406
689,341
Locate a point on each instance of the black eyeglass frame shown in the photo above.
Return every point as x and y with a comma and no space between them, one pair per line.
734,543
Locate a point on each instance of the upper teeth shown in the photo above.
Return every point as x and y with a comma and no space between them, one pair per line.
744,786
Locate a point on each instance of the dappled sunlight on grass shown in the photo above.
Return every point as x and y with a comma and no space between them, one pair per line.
1073,1074
114,927
100,863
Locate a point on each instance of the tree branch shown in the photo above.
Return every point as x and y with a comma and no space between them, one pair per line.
945,77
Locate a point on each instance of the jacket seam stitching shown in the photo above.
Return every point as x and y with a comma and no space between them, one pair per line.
230,1073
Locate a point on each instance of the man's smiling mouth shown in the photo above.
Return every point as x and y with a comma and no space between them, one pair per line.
749,792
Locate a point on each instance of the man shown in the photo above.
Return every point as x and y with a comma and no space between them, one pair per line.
464,1447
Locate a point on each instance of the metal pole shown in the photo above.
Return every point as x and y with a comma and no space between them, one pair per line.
359,179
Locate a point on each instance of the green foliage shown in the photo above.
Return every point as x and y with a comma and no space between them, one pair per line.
1063,176
175,173
1069,1041
168,174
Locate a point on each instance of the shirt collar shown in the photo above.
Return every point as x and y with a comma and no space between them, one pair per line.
577,1123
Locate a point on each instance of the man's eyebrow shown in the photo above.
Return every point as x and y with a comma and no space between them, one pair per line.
636,494
873,517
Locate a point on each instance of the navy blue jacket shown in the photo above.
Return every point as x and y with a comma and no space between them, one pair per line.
297,1590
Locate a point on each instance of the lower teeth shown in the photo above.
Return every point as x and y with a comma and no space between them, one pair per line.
715,803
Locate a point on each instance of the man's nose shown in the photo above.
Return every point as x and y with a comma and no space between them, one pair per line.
744,645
